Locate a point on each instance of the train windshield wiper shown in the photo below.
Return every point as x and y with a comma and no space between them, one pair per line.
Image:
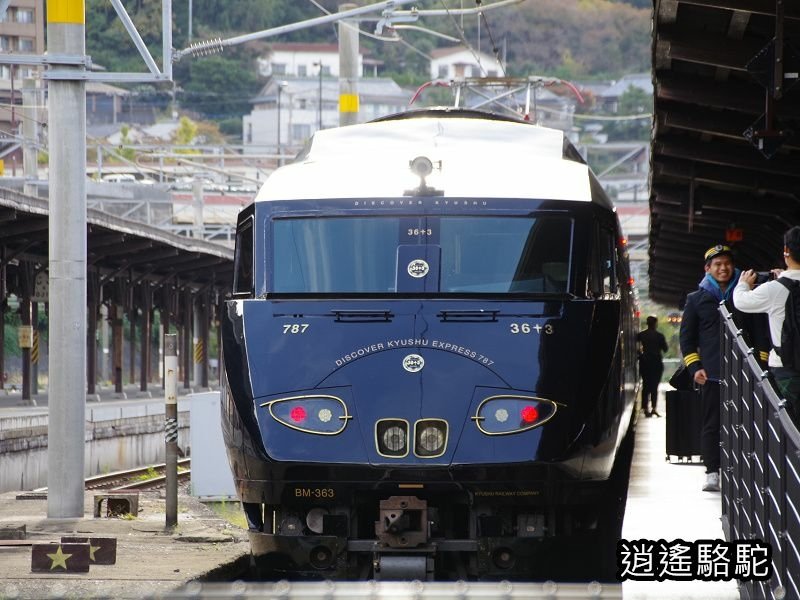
362,316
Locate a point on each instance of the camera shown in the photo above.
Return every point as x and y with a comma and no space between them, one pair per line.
764,276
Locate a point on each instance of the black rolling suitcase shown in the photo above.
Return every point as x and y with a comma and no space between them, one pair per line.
684,424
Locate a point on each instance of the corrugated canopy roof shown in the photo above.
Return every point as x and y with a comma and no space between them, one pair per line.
725,159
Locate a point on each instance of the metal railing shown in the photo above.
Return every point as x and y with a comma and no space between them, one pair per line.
760,447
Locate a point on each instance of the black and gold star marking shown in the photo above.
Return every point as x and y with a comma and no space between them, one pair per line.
102,550
60,558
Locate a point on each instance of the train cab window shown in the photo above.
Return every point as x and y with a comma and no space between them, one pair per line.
505,254
602,275
335,255
243,259
478,254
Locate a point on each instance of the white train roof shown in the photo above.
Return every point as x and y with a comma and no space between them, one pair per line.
472,157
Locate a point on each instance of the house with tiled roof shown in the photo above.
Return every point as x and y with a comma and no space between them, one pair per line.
459,61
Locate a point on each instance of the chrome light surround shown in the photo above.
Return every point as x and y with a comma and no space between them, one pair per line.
430,438
501,414
384,427
324,414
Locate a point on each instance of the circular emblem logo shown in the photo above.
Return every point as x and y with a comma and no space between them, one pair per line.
413,363
418,268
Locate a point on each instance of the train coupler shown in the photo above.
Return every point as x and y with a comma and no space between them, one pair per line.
403,522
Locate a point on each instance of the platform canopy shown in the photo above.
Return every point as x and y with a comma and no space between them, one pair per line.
118,249
726,137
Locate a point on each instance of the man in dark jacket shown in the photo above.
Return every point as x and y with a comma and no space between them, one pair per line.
700,346
651,365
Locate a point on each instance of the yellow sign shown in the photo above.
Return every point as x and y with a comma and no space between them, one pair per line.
348,103
2,167
66,11
25,333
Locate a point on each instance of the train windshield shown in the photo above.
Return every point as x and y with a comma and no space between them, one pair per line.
454,254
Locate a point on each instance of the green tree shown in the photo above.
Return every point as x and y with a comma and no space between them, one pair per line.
634,101
186,132
220,87
124,149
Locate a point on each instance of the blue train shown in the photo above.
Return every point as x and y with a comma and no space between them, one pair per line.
430,358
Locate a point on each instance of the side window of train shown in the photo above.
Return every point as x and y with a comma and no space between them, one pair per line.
243,259
602,276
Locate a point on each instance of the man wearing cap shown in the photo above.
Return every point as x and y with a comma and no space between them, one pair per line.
651,366
700,346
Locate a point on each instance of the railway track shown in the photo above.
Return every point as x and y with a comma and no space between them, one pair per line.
140,478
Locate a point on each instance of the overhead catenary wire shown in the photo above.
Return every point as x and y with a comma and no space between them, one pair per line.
376,37
495,49
463,37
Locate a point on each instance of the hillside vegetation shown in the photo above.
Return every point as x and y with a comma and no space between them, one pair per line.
565,38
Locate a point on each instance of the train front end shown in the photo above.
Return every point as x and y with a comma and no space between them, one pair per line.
429,368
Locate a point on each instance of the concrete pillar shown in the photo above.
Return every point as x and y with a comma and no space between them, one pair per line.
30,133
197,205
144,366
198,343
35,349
165,329
117,335
187,339
91,348
104,350
67,145
348,69
133,314
3,306
26,320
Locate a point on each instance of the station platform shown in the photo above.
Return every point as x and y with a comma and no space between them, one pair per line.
150,559
665,502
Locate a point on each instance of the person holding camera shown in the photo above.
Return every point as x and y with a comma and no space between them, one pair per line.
754,296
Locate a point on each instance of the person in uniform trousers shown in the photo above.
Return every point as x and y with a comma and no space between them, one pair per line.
770,298
651,365
700,347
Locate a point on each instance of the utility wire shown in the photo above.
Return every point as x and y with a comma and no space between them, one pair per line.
495,49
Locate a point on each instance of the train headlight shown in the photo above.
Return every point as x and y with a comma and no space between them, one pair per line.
391,437
504,414
430,438
322,414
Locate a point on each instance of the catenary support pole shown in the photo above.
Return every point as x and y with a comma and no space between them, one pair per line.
67,143
171,426
348,68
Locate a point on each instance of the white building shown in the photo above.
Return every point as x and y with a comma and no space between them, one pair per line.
299,114
459,61
303,60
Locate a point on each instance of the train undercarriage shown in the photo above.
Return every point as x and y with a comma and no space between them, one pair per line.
570,535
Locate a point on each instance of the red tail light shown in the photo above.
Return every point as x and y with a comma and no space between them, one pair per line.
529,414
298,414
